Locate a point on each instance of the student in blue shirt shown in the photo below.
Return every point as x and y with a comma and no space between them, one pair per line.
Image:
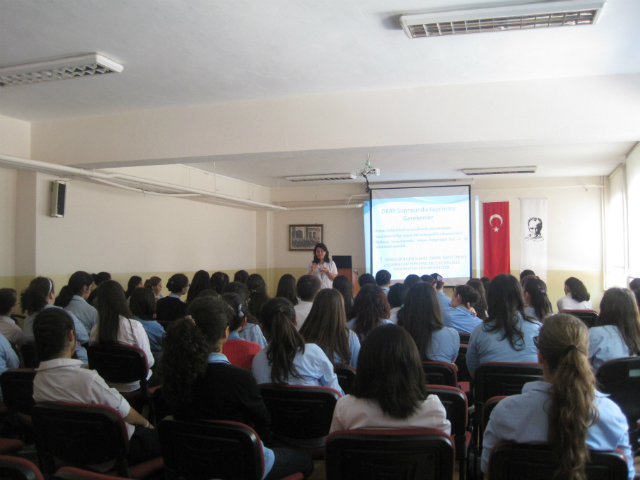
564,409
438,283
459,315
8,359
507,335
537,304
251,332
143,306
73,298
421,317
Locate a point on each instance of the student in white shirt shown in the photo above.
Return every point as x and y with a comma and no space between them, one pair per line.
576,296
8,328
307,287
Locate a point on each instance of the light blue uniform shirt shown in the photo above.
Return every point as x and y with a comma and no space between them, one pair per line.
354,348
445,302
81,333
8,359
155,332
485,347
460,319
525,419
87,314
444,347
606,343
269,456
313,366
531,312
253,333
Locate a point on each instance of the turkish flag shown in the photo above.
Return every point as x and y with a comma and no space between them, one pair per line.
497,251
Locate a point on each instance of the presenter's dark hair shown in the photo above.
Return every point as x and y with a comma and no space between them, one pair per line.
34,298
8,298
199,282
468,295
383,277
618,307
112,304
50,329
74,286
327,259
578,290
142,303
421,316
505,302
390,372
366,279
369,308
411,280
538,298
132,285
345,287
397,294
219,280
257,293
177,283
481,304
307,287
241,276
287,288
277,319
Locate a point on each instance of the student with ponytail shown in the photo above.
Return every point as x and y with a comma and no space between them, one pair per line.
251,330
73,298
564,409
481,305
171,307
239,351
199,382
287,360
41,295
537,304
459,315
257,294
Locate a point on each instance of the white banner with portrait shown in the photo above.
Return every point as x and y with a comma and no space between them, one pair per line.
534,233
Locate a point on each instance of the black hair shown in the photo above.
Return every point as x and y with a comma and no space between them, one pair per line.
132,285
618,307
238,288
634,284
481,304
74,286
411,279
143,303
8,298
526,273
327,258
212,316
345,287
468,295
383,277
307,287
34,298
177,283
287,288
390,372
239,307
397,294
438,280
277,319
421,316
219,280
98,278
578,290
486,281
366,279
257,293
427,279
50,329
241,276
199,283
370,306
111,305
209,292
538,298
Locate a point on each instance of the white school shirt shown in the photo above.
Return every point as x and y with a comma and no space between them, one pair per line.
10,330
324,278
130,332
606,343
302,312
86,313
568,303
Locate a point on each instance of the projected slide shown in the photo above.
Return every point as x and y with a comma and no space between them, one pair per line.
420,230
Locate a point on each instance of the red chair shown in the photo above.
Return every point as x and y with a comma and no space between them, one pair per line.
84,435
408,454
511,461
588,317
15,468
346,377
489,405
212,449
440,373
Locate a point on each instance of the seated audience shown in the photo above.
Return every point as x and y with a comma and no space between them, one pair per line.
411,279
564,409
438,284
199,282
287,359
345,287
526,273
507,335
421,317
576,296
199,383
241,276
383,280
481,305
39,296
397,294
155,285
257,294
98,278
460,315
60,378
326,326
486,281
239,351
171,307
73,298
366,279
427,279
8,359
536,301
251,331
617,330
308,287
143,306
117,327
287,288
219,280
370,309
134,282
389,390
8,328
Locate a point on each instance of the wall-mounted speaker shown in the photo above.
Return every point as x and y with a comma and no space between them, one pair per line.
58,195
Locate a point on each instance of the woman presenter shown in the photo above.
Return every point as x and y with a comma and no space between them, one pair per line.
322,266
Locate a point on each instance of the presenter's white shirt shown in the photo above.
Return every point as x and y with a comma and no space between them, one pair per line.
324,278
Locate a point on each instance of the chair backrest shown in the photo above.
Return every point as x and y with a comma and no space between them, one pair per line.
17,389
80,434
502,379
120,364
455,403
210,449
300,412
159,408
620,378
440,373
464,337
510,461
72,473
406,454
488,407
346,376
588,317
29,355
461,363
15,468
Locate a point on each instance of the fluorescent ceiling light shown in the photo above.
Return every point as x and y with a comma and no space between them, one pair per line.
58,69
499,171
321,177
504,18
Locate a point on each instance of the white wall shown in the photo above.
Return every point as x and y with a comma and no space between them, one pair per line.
633,202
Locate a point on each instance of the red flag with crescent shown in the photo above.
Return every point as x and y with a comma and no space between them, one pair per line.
497,249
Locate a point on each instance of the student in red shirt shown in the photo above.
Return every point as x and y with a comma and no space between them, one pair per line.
238,351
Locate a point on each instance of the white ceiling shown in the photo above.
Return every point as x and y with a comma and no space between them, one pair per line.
200,52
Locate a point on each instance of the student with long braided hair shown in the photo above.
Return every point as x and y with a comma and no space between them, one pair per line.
537,304
564,409
287,359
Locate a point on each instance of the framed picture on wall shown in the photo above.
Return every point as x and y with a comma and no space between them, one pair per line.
304,237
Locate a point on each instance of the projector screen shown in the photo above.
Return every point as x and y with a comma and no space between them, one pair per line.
419,230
